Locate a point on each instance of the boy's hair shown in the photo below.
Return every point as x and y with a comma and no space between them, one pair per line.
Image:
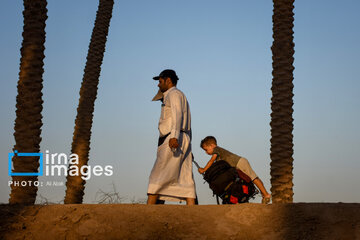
208,140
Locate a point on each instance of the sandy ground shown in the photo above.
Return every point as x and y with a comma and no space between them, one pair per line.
136,221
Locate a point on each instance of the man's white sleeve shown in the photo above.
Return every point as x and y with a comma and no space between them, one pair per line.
176,114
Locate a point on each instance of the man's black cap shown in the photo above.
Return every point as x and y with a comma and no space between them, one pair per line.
167,73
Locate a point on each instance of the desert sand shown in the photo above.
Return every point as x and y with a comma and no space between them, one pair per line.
137,221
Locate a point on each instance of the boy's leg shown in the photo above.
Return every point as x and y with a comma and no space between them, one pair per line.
244,166
152,198
257,181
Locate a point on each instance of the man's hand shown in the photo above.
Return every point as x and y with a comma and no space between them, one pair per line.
201,170
173,143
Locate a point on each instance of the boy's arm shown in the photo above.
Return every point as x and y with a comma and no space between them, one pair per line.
211,161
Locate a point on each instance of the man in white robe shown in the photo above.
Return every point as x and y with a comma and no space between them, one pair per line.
171,178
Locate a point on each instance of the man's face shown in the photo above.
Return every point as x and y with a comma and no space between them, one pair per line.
163,84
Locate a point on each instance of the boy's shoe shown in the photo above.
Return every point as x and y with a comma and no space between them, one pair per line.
265,200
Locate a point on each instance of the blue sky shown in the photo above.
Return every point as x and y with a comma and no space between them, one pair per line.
221,52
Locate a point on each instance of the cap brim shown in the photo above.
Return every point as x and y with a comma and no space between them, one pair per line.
156,78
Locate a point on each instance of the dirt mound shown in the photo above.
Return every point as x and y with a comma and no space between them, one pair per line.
125,221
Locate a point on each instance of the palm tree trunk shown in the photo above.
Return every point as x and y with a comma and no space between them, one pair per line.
29,101
282,102
75,185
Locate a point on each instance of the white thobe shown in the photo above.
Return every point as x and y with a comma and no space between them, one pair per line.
171,177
